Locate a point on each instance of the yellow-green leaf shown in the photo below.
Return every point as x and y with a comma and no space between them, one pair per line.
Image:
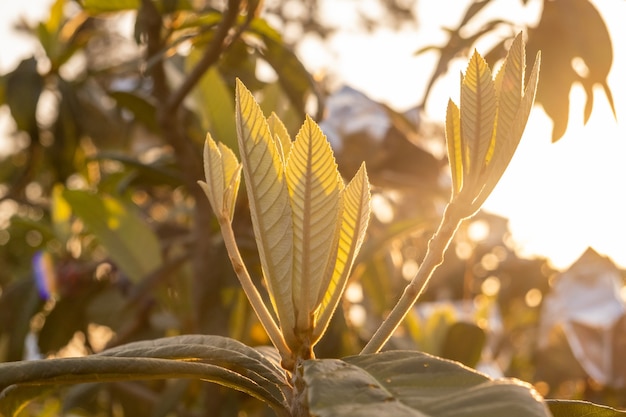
314,185
214,174
455,150
213,102
506,145
223,173
355,218
60,213
509,89
280,134
478,112
232,178
270,209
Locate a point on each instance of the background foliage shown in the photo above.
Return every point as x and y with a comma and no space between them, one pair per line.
107,239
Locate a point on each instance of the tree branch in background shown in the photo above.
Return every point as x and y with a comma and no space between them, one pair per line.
221,41
170,118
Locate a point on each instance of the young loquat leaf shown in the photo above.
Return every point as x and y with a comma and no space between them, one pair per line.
269,205
514,105
280,134
314,187
223,173
478,112
232,179
455,150
355,215
492,117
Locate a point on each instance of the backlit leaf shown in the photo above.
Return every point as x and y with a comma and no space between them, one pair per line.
314,185
214,173
279,132
478,112
232,178
505,148
354,221
455,150
509,88
222,172
269,205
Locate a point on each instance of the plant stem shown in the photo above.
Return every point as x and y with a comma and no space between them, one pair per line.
215,49
437,246
251,291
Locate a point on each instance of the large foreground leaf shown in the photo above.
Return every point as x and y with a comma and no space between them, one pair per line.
402,383
210,358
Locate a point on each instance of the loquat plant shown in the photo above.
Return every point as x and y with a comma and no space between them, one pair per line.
309,226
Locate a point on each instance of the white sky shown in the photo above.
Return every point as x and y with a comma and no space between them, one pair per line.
560,198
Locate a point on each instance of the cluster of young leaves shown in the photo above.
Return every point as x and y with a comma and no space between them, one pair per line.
483,134
567,32
308,225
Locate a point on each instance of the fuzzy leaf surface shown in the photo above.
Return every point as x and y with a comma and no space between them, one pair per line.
506,145
455,147
223,176
214,173
314,187
478,112
279,131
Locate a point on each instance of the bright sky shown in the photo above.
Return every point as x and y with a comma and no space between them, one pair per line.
560,198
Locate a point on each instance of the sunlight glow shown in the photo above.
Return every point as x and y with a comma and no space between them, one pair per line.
560,198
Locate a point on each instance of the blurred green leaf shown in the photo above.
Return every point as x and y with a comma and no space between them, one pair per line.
60,213
160,172
215,104
19,301
570,408
61,323
403,383
143,110
67,132
464,343
292,75
23,88
104,6
53,24
130,242
205,20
